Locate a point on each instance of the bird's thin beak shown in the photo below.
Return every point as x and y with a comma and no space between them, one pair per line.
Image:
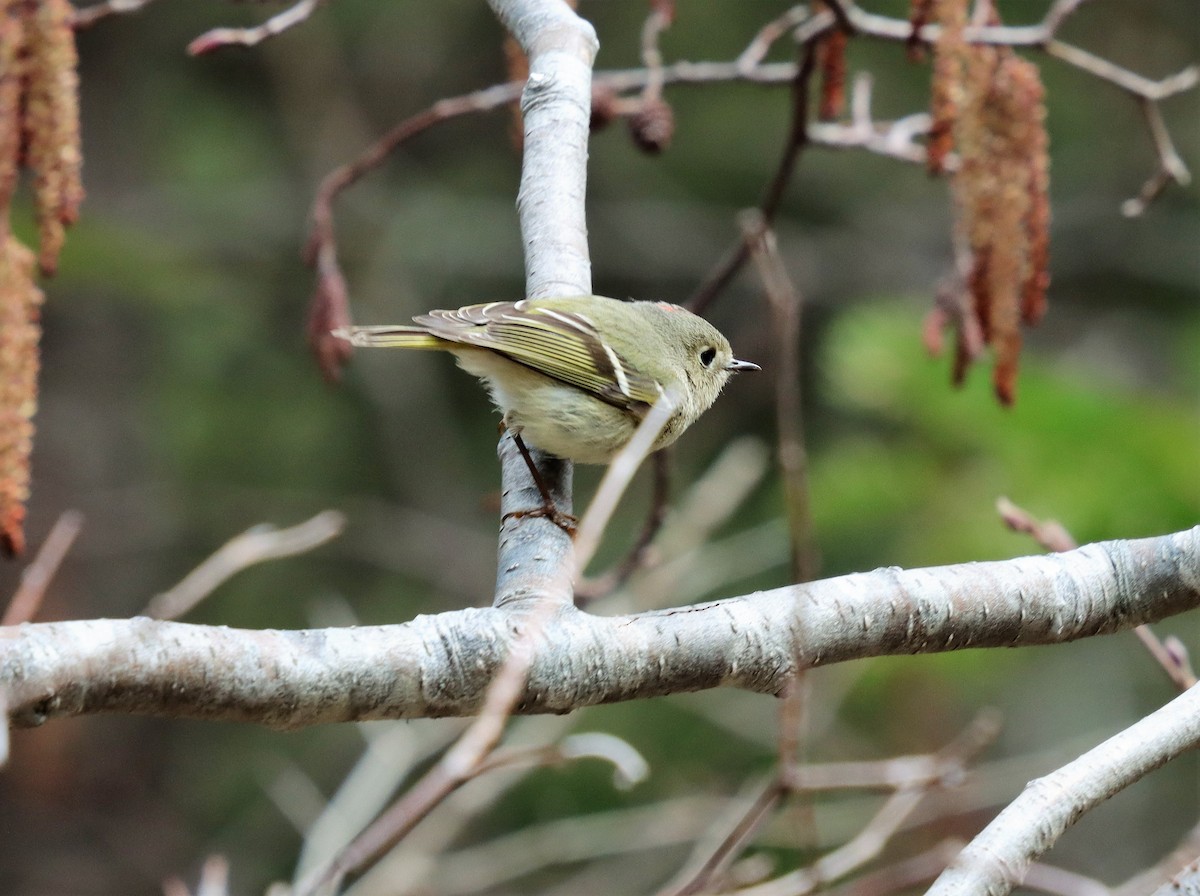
735,364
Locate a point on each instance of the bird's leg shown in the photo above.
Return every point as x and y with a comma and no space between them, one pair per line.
564,521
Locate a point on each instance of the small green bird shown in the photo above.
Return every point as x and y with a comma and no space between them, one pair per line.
577,375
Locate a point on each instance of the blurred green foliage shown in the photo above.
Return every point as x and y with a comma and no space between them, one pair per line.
179,407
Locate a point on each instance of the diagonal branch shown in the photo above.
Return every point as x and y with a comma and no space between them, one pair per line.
997,860
249,37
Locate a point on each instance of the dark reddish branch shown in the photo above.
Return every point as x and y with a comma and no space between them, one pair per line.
797,140
832,52
330,304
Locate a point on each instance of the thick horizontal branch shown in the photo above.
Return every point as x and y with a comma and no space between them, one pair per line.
441,665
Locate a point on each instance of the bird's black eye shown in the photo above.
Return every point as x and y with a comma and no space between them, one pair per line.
707,356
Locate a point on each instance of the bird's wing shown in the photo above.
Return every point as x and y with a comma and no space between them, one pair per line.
561,344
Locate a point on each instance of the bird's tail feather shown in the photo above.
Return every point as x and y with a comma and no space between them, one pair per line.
389,336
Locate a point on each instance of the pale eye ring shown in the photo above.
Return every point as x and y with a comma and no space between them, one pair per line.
707,356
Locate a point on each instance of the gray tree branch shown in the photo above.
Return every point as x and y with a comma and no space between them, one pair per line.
442,665
556,103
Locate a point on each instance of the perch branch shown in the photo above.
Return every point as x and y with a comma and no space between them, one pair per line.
442,665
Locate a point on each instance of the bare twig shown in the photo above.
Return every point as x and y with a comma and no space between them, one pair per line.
903,875
38,574
1183,855
392,751
1171,168
708,862
896,140
629,767
617,477
469,756
376,154
910,778
893,139
658,21
1132,83
497,865
688,562
875,835
786,308
1053,536
1050,534
1060,882
330,303
1170,654
997,859
458,765
87,16
696,876
214,880
760,45
869,842
639,554
797,139
249,37
255,545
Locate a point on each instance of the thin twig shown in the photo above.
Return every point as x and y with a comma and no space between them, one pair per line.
903,875
708,865
874,836
1171,168
457,766
629,767
1060,882
249,37
87,16
896,140
469,755
996,860
497,865
214,880
910,777
639,555
255,545
1050,534
761,43
855,853
697,879
1053,536
658,21
330,303
617,477
1132,83
39,573
797,139
1182,855
1169,654
786,305
686,558
344,176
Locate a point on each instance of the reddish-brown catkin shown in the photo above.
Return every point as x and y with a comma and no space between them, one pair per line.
20,302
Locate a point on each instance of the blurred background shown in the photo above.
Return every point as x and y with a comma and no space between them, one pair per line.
179,406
